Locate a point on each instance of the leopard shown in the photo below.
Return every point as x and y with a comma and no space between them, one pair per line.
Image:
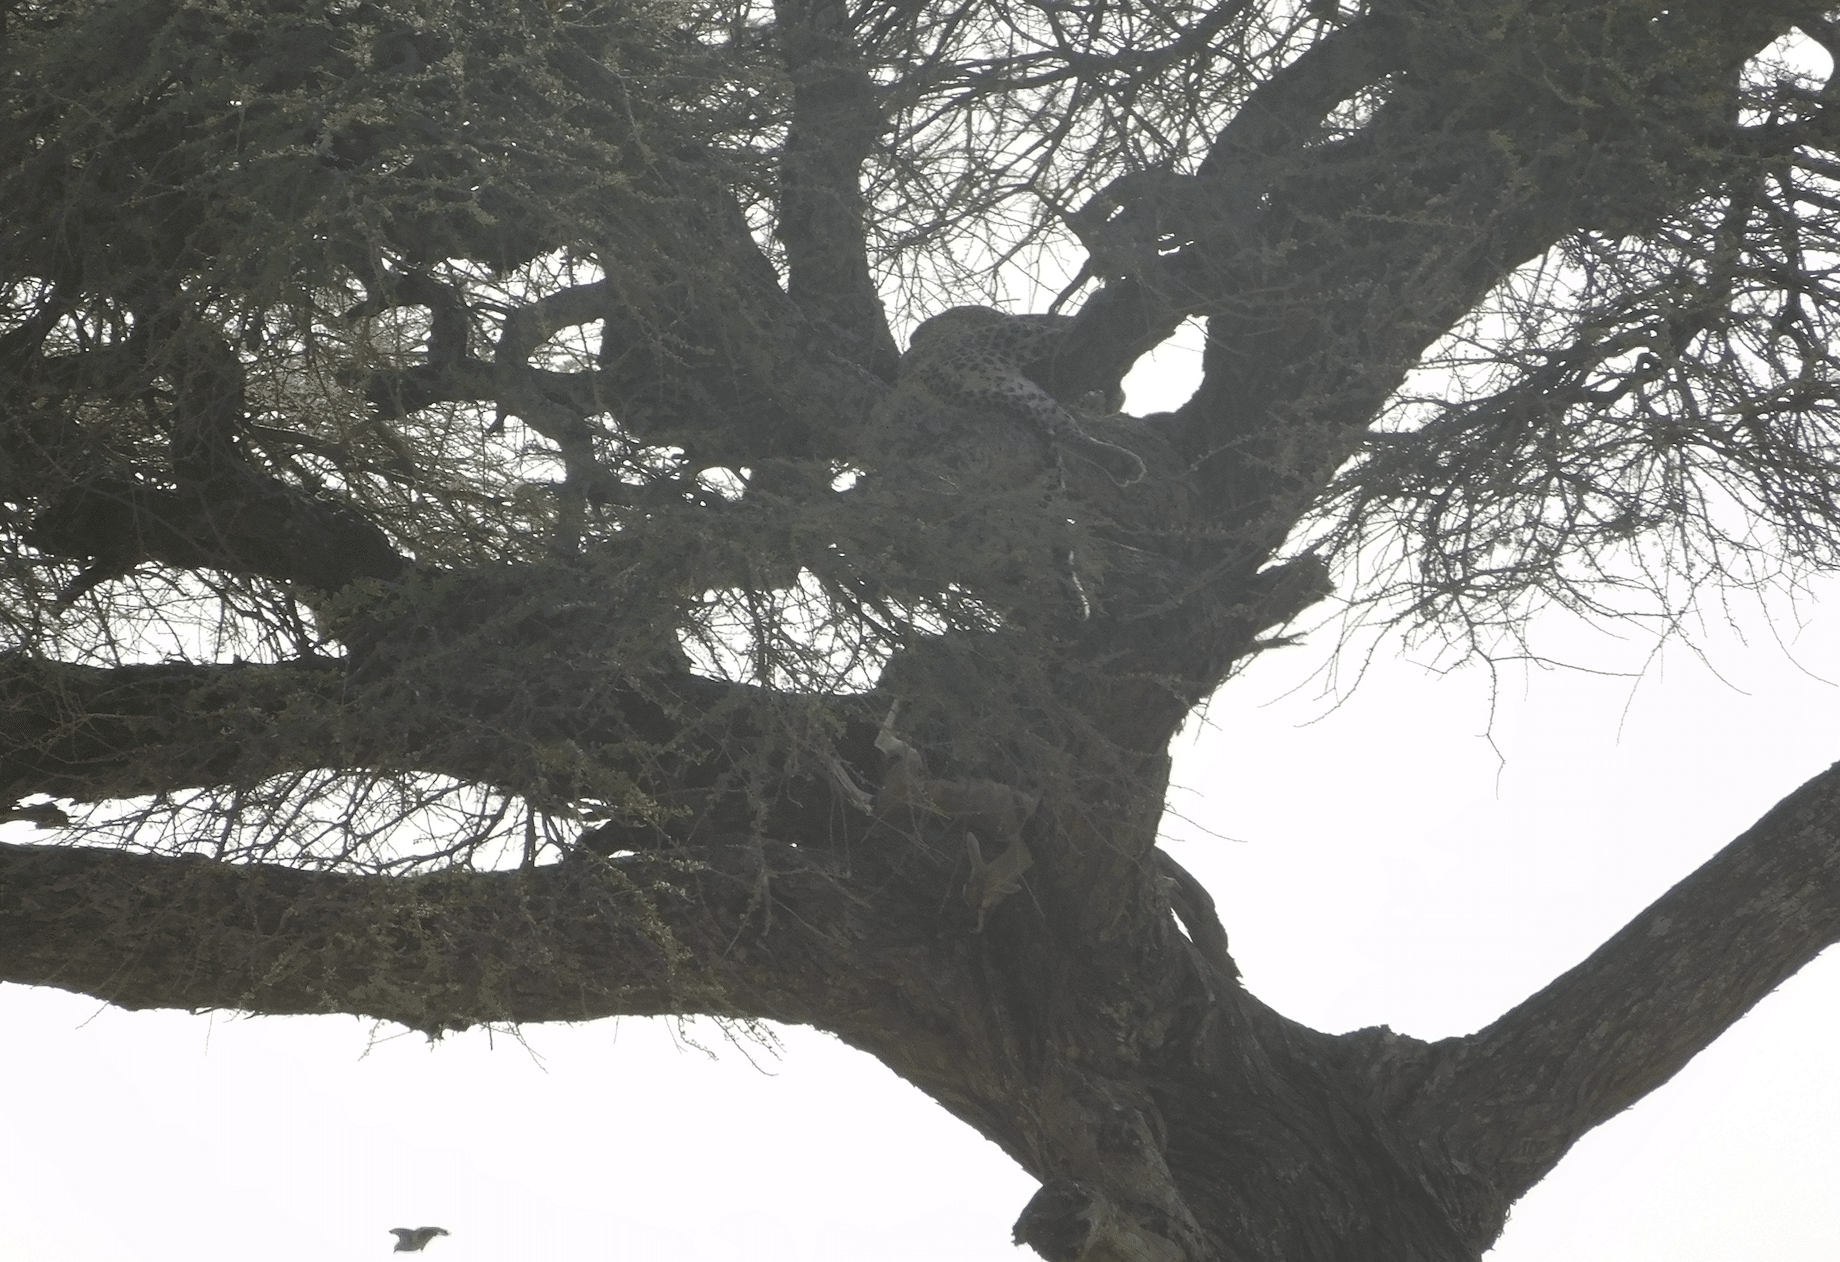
973,358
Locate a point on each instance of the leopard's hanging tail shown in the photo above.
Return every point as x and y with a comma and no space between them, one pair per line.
1122,465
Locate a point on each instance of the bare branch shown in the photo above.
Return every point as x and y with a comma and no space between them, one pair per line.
836,120
569,942
1511,1099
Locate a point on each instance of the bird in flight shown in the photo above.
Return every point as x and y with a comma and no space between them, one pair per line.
414,1239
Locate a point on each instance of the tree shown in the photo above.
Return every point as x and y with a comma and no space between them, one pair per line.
477,556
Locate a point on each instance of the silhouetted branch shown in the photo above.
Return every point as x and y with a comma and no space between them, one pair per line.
1511,1099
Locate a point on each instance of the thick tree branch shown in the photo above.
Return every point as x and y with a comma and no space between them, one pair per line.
1142,229
1284,114
1379,261
747,929
727,366
568,942
211,507
255,526
86,733
90,734
836,120
1513,1098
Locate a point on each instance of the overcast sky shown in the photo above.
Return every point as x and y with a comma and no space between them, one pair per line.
1416,856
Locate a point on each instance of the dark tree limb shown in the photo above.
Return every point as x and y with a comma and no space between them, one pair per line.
1349,216
212,508
836,121
257,527
1162,239
738,374
1511,1099
1284,114
530,324
89,733
648,935
449,321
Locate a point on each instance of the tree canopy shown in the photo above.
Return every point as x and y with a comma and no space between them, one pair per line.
474,551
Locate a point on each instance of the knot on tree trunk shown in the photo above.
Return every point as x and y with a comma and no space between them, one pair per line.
1070,1221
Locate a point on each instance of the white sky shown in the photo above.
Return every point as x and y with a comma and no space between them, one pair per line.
1388,867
